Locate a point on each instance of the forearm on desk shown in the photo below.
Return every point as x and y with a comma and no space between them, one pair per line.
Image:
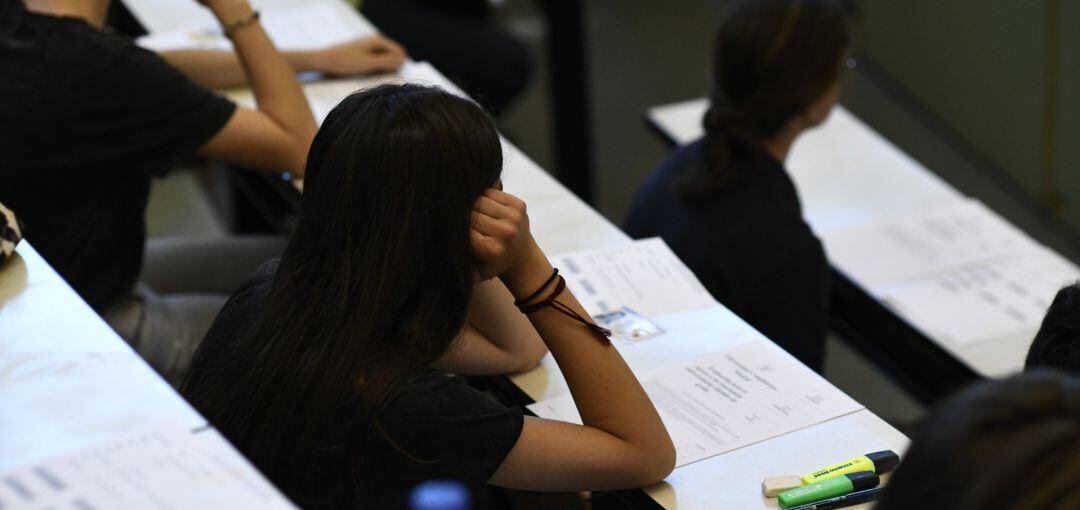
497,338
217,69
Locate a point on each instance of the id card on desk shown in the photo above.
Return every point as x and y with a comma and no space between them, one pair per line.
628,326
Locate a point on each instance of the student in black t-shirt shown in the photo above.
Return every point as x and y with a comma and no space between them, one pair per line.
87,119
1057,344
1003,444
328,370
725,204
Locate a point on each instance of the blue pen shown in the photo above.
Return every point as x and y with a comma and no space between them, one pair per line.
843,501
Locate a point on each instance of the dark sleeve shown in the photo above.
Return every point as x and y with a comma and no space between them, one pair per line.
130,109
10,233
453,430
790,305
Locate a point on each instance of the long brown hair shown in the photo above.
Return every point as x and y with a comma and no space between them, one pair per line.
373,286
772,60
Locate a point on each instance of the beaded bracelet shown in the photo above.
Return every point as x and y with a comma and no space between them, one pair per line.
231,28
534,295
602,334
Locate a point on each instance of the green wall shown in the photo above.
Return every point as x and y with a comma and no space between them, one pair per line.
978,66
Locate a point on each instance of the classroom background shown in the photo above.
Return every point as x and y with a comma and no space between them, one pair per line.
927,94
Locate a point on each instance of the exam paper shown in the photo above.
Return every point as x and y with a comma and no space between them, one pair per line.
644,276
924,244
304,27
166,467
986,301
323,96
719,402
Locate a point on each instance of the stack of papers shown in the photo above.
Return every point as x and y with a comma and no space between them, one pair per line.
1006,299
924,244
303,27
323,96
164,467
644,276
958,272
736,397
744,390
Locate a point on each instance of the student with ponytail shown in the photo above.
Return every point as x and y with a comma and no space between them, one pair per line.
725,204
328,370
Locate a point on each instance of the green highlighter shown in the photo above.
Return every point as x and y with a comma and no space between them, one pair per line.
830,488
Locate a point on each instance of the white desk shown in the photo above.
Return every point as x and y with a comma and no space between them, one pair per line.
848,174
67,381
731,480
563,223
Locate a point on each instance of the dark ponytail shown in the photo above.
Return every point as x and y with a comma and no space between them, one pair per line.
11,17
772,60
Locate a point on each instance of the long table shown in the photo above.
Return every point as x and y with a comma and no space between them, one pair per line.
68,382
848,174
562,223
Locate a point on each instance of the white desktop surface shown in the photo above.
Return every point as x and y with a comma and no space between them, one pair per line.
170,15
66,379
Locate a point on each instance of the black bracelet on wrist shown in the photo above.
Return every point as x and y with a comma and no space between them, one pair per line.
232,27
552,300
521,302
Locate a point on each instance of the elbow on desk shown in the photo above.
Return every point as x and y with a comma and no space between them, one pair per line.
655,465
529,359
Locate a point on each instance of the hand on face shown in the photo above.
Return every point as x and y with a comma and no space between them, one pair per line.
501,241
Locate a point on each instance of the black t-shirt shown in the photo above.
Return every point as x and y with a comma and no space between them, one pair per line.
448,429
86,119
749,246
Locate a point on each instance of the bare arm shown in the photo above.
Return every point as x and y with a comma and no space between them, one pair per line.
497,338
222,69
277,136
623,442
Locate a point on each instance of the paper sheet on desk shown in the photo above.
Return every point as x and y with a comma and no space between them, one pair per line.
323,96
719,402
987,301
313,26
924,244
644,276
164,467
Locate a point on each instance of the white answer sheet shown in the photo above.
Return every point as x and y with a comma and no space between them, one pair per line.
644,276
986,301
310,26
164,467
924,244
716,403
323,96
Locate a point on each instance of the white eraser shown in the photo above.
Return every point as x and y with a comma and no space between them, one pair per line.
774,485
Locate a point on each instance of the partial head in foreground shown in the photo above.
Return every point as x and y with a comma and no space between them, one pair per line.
1004,444
1057,344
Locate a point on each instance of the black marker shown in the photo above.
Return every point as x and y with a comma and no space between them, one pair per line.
843,501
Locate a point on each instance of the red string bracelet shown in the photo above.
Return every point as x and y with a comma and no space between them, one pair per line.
602,334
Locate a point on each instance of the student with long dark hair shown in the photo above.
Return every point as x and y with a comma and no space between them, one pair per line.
725,204
87,119
1007,445
323,370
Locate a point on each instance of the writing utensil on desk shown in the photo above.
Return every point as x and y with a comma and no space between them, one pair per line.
827,489
846,500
